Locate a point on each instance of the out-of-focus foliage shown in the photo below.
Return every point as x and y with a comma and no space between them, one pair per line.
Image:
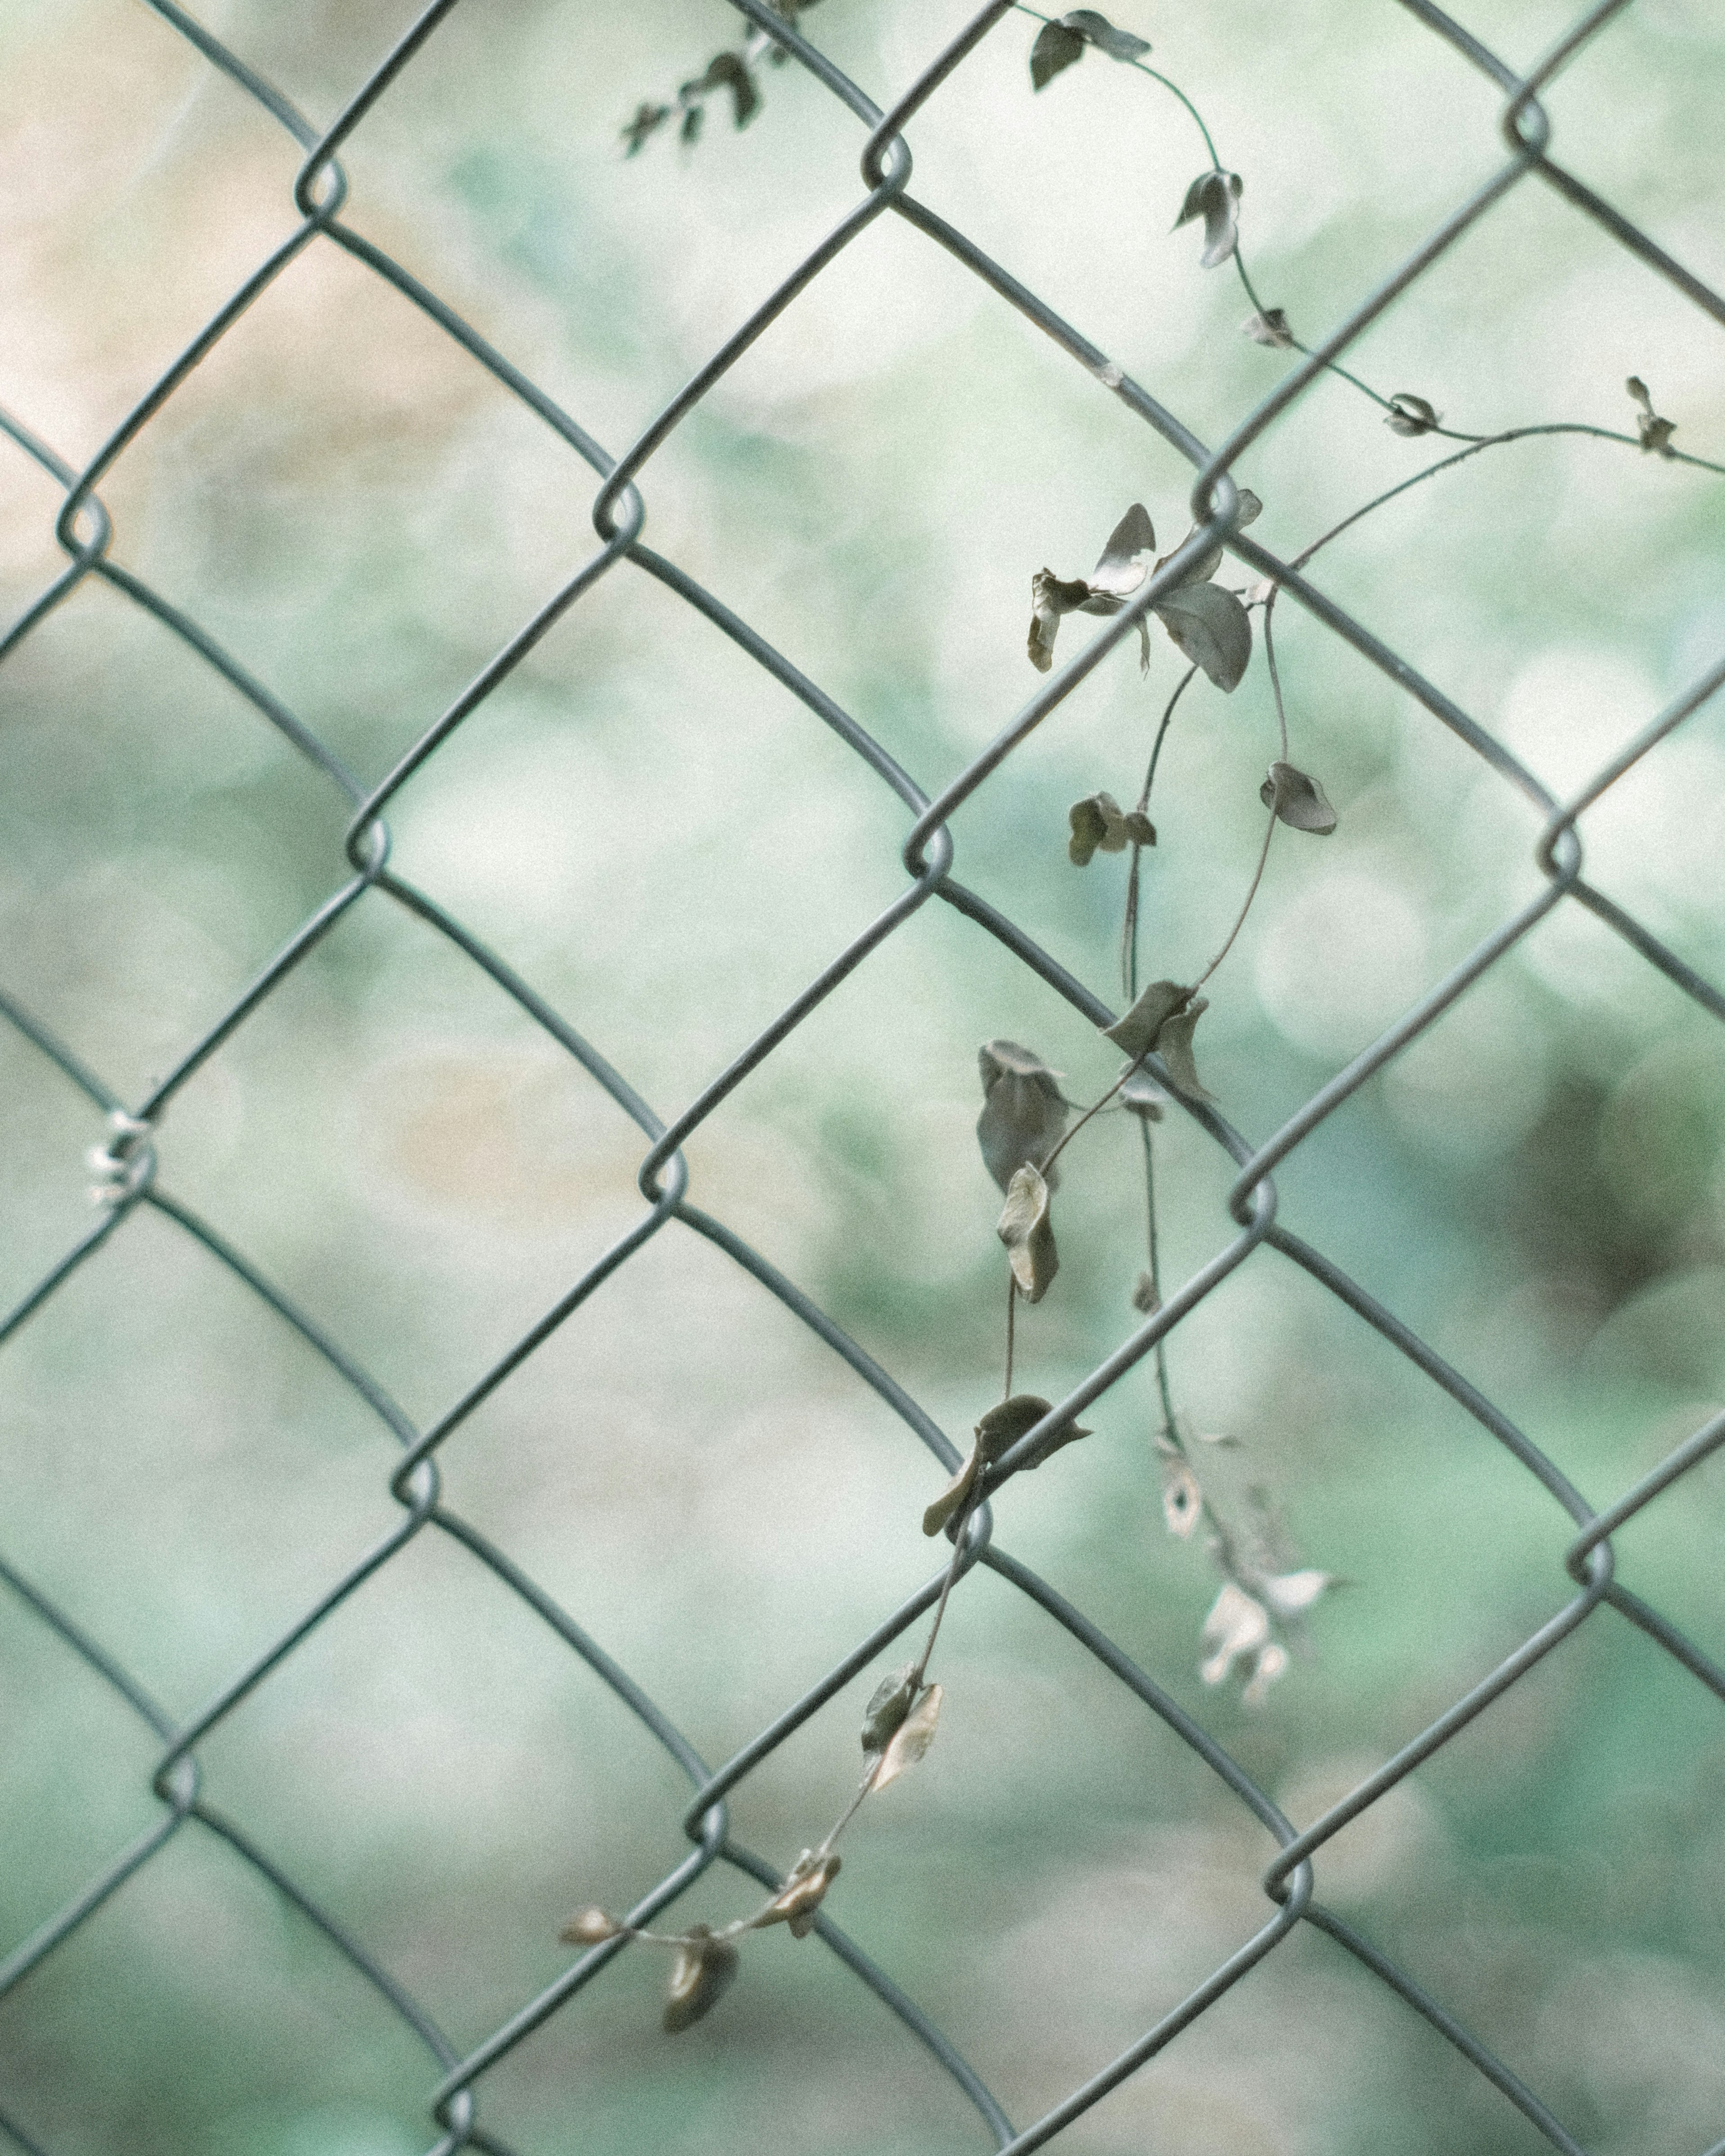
669,847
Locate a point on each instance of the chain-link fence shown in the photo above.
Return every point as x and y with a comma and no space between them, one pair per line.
131,1196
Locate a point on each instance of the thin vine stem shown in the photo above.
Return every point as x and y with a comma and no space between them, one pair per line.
1170,1428
1251,893
1129,925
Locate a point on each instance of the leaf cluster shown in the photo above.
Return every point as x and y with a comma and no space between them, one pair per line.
1205,620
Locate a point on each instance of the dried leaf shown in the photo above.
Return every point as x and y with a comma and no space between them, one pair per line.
699,1976
1050,598
889,1703
1137,1031
1409,414
949,1501
1023,1228
1269,328
1211,628
1056,48
590,1928
1207,564
1272,1660
1139,829
802,1894
1123,566
1096,822
1236,1626
1299,802
1098,31
1144,1295
912,1739
688,133
1289,1592
1174,1047
1003,1426
1655,433
1181,1501
1023,1111
1215,197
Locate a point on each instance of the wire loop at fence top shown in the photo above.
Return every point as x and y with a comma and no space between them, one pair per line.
126,1183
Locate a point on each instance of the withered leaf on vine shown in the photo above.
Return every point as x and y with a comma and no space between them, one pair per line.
889,1703
1269,328
1215,197
912,1738
805,1889
1119,572
1098,31
1144,1295
1002,1427
1100,824
1050,598
1060,43
1409,414
1024,1110
1056,47
1207,564
1137,1032
950,1502
1023,1228
1655,433
700,1974
1299,802
590,1928
1175,1046
1211,628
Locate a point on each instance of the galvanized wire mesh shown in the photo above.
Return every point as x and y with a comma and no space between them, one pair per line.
131,1189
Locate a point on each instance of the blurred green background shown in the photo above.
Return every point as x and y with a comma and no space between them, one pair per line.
669,847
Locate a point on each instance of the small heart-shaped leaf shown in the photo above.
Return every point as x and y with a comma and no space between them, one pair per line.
1003,1426
1123,566
1098,31
700,1974
1215,197
1096,822
1024,1110
950,1500
1269,328
912,1739
1175,1048
1023,1228
1056,48
802,1894
1137,1032
1211,628
889,1703
1299,802
1050,598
